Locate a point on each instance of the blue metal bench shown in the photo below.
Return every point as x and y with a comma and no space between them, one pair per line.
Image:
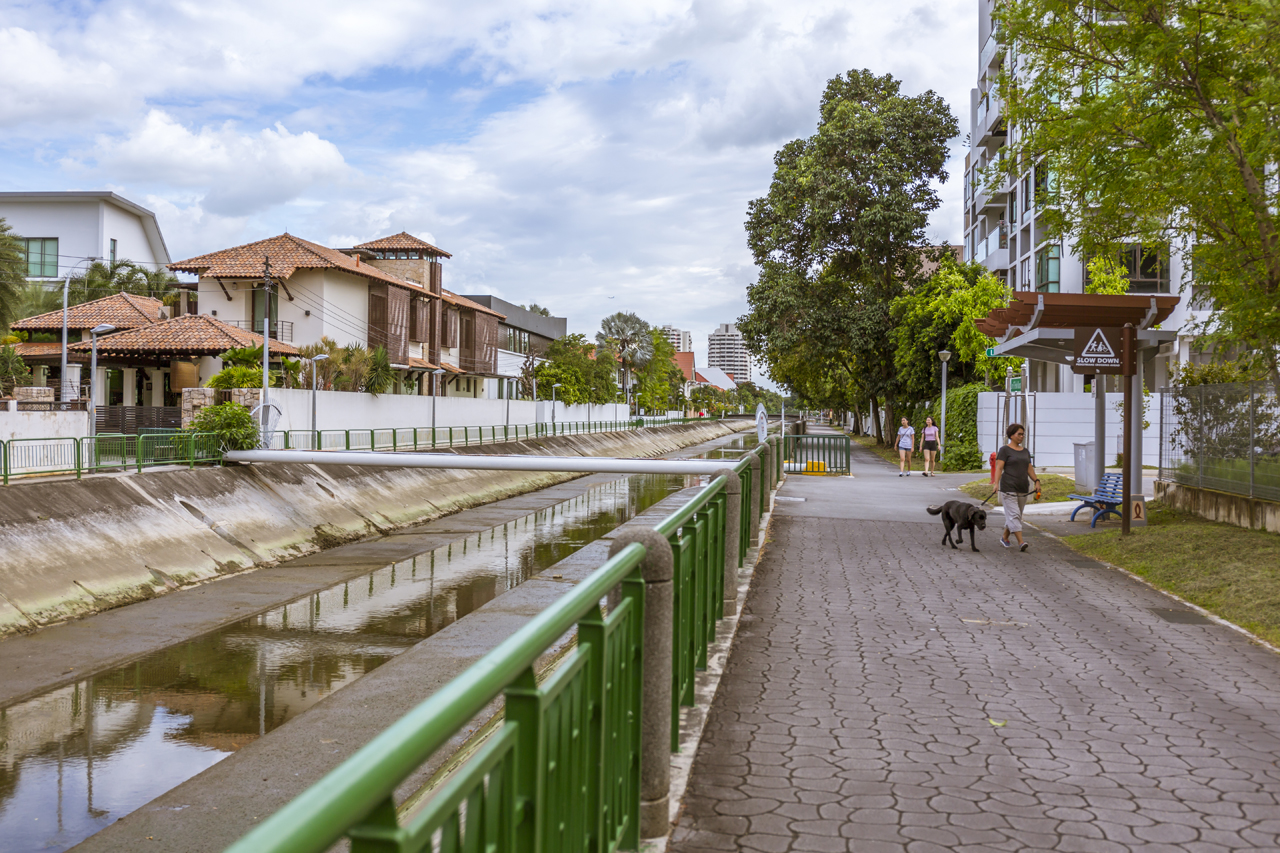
1107,497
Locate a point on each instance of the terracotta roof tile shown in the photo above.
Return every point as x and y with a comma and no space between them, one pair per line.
122,310
42,350
404,240
188,335
684,361
463,302
419,364
287,254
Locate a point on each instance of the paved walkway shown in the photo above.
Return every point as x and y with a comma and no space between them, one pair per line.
886,694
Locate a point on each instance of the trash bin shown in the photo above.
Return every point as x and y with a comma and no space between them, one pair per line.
1086,454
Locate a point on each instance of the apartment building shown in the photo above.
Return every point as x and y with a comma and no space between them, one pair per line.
1005,228
681,340
727,352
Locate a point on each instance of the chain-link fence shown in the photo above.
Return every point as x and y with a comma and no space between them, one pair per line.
1223,437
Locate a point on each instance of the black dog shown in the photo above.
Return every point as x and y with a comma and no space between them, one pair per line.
962,516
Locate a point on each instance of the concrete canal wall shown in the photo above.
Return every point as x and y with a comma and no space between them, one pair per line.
74,547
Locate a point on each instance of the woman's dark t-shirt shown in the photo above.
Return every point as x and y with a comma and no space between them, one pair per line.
1016,463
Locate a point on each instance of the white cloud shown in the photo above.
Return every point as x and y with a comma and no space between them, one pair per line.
243,172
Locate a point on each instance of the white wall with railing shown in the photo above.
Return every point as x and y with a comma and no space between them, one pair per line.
1059,420
38,424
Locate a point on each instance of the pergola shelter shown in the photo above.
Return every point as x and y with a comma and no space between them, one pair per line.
1041,327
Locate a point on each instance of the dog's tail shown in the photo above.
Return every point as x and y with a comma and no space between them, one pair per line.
934,510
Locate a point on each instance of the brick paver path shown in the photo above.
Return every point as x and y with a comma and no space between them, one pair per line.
857,709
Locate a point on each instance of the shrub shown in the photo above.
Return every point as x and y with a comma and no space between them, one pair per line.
240,376
13,371
231,422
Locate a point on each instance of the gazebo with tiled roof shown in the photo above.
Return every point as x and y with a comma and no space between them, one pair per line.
403,245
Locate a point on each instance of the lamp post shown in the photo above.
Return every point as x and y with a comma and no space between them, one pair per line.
553,406
945,355
93,374
435,388
66,286
315,386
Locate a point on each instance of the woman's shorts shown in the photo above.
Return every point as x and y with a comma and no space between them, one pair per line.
931,445
1014,503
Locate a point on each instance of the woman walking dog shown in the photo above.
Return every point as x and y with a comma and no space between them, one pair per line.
930,446
1014,473
906,447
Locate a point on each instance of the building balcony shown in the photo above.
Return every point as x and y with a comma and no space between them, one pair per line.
281,330
990,126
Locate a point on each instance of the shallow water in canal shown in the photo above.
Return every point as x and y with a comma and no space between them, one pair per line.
76,759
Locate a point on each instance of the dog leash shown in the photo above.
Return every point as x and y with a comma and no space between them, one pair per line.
1037,493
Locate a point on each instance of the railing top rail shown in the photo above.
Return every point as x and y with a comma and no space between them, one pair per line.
321,815
673,522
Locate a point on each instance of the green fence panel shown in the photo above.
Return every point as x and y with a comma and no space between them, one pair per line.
816,454
107,452
42,456
561,773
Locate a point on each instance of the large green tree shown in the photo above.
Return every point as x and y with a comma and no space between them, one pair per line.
1158,122
841,233
660,383
938,316
591,378
630,339
13,274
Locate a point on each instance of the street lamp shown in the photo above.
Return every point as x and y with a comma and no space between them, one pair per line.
435,388
315,386
93,374
945,355
553,406
66,286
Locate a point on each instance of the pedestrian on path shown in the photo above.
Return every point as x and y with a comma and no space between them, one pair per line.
1014,474
906,447
931,446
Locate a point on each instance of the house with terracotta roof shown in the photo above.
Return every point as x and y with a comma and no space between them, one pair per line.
387,292
122,310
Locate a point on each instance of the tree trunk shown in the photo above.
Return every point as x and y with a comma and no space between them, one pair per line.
875,417
890,418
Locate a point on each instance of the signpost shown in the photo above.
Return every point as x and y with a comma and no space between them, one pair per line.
1111,351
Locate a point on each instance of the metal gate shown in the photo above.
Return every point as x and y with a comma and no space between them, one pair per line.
137,420
816,454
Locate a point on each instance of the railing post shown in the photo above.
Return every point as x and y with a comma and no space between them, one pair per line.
756,498
732,537
775,475
766,475
657,568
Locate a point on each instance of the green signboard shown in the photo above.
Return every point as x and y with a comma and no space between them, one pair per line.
991,352
1015,385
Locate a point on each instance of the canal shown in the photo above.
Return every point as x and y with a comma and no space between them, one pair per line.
81,756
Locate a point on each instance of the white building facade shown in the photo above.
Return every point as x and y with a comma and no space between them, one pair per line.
65,231
1005,229
680,339
726,351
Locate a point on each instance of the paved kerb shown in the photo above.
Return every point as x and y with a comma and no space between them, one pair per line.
885,693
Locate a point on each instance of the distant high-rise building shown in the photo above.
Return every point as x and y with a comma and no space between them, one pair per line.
680,339
726,351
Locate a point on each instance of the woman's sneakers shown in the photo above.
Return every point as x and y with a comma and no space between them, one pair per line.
1004,542
1023,547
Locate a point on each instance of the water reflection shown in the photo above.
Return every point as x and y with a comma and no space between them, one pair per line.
80,757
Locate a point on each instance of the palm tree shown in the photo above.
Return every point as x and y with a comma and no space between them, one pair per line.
105,278
629,337
13,274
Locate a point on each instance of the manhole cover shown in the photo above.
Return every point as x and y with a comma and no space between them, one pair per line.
1182,617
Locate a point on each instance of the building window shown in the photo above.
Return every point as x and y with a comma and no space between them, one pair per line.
42,257
1048,268
113,250
1026,193
1147,268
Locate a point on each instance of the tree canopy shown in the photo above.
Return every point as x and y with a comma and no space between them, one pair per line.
584,375
13,275
841,234
1158,124
629,338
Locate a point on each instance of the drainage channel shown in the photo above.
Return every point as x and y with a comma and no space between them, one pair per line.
78,758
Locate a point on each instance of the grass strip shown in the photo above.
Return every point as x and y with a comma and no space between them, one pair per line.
1054,488
1228,570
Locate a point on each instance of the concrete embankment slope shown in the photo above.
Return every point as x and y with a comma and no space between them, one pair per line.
73,547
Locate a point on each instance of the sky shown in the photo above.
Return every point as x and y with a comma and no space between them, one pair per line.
591,157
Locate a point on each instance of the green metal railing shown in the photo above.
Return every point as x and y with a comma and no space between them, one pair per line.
816,454
20,457
27,456
562,771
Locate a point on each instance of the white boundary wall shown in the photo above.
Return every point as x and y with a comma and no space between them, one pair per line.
15,424
1062,419
346,410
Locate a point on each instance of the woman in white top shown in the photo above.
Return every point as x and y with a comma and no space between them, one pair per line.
906,447
931,446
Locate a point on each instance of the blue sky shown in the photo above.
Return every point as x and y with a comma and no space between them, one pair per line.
588,156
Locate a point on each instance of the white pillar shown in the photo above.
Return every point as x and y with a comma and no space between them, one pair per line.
157,386
131,386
